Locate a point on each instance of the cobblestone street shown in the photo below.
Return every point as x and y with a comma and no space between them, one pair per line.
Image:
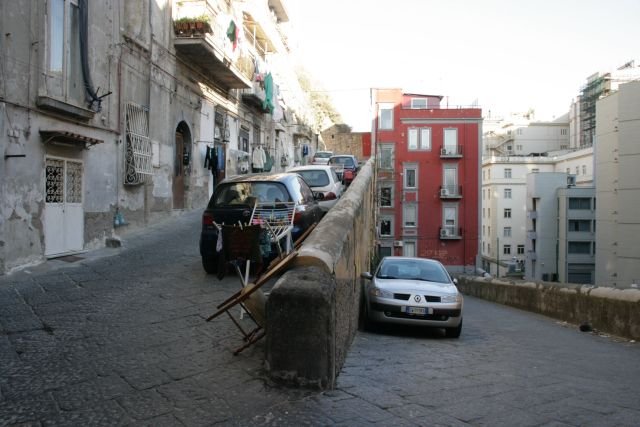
119,337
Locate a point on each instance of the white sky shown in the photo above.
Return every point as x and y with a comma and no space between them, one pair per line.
509,55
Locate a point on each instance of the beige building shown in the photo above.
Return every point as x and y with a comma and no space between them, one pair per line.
617,158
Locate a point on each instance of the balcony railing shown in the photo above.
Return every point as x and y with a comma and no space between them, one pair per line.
450,233
254,96
450,151
450,191
209,48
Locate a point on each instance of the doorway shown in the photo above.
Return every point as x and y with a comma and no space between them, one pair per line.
182,161
63,213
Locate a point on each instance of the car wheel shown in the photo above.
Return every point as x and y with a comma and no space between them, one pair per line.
210,264
454,332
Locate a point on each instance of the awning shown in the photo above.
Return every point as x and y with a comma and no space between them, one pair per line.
68,138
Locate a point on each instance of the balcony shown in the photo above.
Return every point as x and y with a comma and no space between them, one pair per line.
254,96
532,235
451,152
451,192
207,46
532,214
301,130
532,255
450,233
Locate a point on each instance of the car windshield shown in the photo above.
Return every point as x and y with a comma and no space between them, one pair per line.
347,161
413,270
315,178
322,155
247,193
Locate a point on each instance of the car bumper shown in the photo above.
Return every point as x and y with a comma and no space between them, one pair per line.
438,315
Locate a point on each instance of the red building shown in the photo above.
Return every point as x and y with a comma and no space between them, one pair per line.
428,177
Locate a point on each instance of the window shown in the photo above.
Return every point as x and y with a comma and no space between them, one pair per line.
568,171
506,249
484,229
579,248
579,225
580,203
577,170
507,213
409,178
507,193
137,149
483,212
418,103
64,77
488,212
450,180
409,215
520,249
450,141
385,227
507,172
385,116
409,249
563,131
535,170
489,174
384,251
450,216
519,147
584,169
386,156
509,148
519,131
507,232
483,194
385,197
419,138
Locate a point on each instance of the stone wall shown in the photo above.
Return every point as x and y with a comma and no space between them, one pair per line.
313,309
610,310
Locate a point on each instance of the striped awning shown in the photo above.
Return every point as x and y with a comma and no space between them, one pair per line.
68,138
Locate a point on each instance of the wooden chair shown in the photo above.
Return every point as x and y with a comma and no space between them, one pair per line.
252,300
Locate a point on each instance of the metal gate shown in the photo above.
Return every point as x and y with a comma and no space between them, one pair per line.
63,213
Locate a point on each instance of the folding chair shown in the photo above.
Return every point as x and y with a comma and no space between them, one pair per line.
253,301
277,218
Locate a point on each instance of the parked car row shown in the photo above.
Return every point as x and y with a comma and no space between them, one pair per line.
315,188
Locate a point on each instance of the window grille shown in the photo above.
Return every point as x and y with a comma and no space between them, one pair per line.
138,145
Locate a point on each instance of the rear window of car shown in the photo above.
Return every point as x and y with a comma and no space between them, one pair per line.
247,193
413,270
347,161
323,154
315,178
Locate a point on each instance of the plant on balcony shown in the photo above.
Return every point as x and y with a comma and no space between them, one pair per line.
192,25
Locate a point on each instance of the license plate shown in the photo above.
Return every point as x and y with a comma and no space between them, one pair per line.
420,311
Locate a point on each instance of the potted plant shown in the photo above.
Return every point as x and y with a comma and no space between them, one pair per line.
191,25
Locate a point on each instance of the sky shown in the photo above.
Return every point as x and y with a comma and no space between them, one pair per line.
501,55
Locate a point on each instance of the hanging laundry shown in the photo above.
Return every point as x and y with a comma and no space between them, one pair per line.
267,104
232,34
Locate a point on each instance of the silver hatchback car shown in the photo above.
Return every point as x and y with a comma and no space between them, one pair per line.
413,291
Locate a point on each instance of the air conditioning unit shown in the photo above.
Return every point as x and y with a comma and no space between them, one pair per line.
571,180
443,151
398,243
444,232
444,192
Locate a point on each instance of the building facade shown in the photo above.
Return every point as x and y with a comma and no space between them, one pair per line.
115,115
617,155
428,177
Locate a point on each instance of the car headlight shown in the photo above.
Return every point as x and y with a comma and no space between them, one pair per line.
377,292
451,298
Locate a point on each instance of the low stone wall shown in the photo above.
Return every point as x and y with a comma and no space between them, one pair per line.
610,310
313,309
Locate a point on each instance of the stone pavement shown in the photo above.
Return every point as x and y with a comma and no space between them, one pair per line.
118,337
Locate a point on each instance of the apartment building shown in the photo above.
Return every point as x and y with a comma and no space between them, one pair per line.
428,177
115,115
617,155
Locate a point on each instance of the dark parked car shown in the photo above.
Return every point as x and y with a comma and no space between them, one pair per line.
346,167
234,199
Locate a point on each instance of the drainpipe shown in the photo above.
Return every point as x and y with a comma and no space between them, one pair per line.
147,189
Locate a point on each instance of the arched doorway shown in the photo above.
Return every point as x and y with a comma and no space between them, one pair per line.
182,161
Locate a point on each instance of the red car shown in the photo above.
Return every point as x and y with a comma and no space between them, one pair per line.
346,166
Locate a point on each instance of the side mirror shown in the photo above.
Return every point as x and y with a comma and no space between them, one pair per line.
455,282
366,275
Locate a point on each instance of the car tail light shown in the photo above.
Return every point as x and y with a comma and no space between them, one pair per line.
297,215
330,195
207,219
